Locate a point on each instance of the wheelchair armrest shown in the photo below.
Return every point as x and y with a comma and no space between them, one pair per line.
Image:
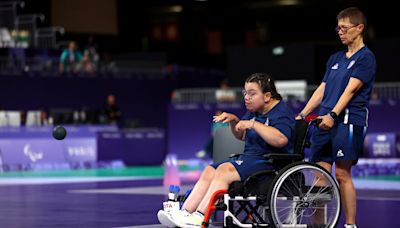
282,156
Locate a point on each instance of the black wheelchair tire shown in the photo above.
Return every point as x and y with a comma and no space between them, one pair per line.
277,178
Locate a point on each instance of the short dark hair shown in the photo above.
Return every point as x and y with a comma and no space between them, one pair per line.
266,84
355,15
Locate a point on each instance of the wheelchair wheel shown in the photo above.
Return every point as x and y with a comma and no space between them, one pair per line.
304,195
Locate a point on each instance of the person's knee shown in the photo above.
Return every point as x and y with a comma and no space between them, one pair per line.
224,170
208,174
343,176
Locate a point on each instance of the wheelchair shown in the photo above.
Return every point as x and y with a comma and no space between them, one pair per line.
294,194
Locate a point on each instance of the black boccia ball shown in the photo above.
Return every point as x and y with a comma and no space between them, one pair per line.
59,132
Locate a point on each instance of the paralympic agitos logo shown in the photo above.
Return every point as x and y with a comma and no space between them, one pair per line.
32,155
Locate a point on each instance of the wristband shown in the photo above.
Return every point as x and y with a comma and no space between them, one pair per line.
333,115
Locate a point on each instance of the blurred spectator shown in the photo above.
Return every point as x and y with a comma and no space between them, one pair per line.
71,59
87,64
43,118
225,93
112,111
90,56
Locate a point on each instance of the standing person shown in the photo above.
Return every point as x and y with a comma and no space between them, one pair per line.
343,97
91,58
267,127
112,111
71,59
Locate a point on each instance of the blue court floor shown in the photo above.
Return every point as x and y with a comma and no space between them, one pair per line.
133,201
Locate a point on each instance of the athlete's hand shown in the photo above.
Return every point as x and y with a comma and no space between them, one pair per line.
226,118
300,116
326,122
244,125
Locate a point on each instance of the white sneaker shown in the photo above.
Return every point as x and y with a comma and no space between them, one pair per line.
169,219
165,218
350,226
187,220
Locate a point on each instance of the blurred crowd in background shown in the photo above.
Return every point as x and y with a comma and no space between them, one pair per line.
157,53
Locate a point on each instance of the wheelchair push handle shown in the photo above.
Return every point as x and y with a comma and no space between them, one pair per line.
315,122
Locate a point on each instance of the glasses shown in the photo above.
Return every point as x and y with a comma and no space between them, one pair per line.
250,94
344,29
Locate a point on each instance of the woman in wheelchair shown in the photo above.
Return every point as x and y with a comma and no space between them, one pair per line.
267,127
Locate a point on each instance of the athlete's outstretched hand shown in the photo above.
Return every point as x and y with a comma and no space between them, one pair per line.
226,118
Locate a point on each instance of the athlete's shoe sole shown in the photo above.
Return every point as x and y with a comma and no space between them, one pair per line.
165,218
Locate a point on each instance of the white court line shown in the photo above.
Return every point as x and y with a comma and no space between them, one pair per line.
151,190
376,184
144,226
66,180
160,190
378,198
156,225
